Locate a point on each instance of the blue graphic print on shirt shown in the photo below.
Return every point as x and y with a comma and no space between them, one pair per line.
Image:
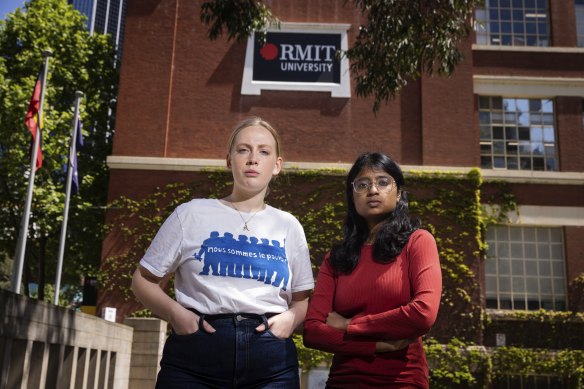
244,257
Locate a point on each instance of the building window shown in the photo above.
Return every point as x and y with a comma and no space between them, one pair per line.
525,268
517,134
513,23
579,12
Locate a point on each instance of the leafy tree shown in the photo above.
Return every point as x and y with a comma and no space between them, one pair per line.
5,271
79,62
398,41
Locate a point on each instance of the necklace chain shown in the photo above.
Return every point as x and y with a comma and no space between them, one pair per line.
245,227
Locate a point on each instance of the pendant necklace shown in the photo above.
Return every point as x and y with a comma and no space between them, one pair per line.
245,227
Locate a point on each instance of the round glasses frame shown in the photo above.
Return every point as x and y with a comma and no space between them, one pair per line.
381,188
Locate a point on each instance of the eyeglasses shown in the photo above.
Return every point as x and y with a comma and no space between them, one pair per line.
383,184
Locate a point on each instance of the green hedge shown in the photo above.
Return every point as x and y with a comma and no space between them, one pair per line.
450,206
457,364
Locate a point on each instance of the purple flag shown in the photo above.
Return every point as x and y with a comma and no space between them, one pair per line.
79,144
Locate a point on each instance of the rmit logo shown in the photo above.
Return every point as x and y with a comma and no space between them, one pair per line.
298,52
269,51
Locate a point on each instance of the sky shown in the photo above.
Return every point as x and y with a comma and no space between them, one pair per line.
7,6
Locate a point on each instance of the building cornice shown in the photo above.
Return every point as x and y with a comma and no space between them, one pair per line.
538,215
528,86
529,49
117,162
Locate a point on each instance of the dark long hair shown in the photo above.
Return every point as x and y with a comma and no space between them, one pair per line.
392,236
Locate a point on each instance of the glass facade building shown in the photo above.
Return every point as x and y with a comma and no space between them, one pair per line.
104,17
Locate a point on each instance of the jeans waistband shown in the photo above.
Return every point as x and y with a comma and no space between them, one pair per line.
239,316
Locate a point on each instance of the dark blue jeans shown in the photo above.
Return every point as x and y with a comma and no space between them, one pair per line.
235,356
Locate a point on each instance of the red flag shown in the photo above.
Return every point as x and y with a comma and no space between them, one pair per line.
32,120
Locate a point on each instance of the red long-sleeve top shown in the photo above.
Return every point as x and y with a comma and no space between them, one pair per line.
397,300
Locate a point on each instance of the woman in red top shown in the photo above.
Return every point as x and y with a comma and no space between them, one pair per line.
378,290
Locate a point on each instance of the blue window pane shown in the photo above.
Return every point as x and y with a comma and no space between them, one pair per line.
518,15
536,134
537,148
533,41
499,162
480,14
509,105
541,4
523,105
548,134
547,106
530,3
518,28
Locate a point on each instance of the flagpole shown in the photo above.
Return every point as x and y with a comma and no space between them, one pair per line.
21,244
72,154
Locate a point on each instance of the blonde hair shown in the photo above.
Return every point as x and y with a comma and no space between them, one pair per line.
254,121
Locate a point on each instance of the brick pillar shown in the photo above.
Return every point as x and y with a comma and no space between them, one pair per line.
147,345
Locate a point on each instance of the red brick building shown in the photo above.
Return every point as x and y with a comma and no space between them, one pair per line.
514,107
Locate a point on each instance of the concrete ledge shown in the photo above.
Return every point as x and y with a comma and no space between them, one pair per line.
118,162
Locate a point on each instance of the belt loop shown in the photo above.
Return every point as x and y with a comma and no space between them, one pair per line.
265,321
201,319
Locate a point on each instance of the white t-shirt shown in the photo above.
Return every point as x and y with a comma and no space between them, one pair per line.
222,268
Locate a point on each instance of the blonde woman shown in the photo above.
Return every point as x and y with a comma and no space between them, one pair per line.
242,278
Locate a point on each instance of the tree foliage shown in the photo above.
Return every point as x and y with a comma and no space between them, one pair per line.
79,62
398,40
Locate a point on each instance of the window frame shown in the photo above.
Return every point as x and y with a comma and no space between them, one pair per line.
513,24
505,271
514,135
